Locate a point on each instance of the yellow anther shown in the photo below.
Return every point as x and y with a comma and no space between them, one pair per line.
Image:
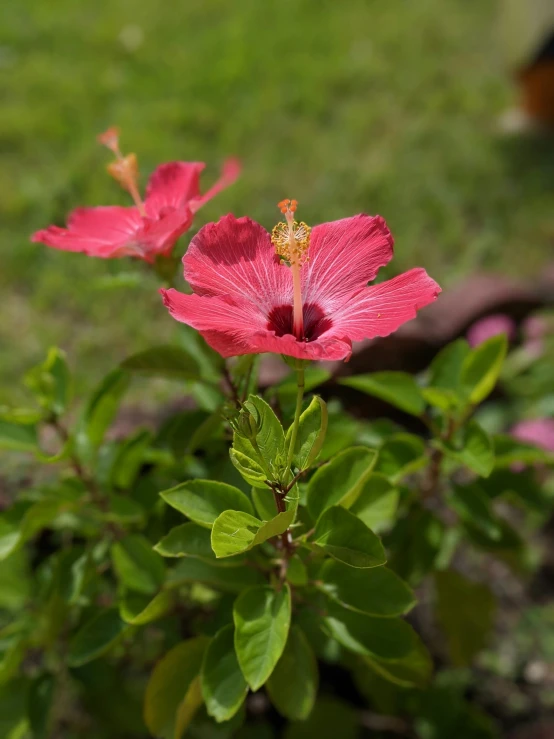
291,239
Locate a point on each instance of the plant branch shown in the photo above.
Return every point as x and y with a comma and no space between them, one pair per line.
231,385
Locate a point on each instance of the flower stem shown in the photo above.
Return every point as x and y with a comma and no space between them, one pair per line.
298,410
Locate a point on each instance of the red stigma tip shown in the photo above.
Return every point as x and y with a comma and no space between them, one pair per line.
110,138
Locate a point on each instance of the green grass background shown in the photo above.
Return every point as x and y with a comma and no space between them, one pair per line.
384,106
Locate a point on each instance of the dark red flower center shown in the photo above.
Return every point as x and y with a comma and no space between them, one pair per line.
316,322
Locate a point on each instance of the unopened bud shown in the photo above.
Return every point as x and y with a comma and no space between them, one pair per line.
246,425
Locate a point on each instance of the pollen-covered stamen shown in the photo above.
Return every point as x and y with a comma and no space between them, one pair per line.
124,169
291,241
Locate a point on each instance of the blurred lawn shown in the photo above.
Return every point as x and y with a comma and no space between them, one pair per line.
386,106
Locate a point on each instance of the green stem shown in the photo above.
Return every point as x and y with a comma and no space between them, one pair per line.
297,412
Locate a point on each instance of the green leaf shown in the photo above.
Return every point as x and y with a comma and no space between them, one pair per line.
100,411
223,685
344,537
51,382
230,579
258,450
465,611
340,481
297,573
401,455
95,637
204,500
445,371
38,516
262,620
414,670
312,428
472,447
481,368
382,638
270,437
136,564
235,532
292,686
389,645
376,592
137,609
188,708
168,361
186,540
377,503
18,437
264,503
169,684
415,543
41,696
441,398
510,451
123,510
342,432
472,505
397,388
129,459
522,486
249,469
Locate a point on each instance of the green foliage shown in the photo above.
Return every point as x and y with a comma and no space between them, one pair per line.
340,481
262,620
204,500
276,565
397,388
171,682
312,428
344,537
466,612
375,592
472,447
51,383
168,361
481,368
96,637
223,685
136,564
292,686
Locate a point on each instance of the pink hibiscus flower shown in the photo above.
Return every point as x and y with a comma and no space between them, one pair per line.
151,227
486,328
537,431
300,292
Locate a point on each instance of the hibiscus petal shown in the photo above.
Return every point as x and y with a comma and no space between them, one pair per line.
229,173
332,349
159,236
172,185
235,328
380,309
106,231
235,257
343,257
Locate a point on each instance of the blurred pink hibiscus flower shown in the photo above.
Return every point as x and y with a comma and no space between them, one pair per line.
537,431
489,326
300,292
151,227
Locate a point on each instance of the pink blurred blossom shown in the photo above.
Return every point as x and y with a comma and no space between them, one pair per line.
486,328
